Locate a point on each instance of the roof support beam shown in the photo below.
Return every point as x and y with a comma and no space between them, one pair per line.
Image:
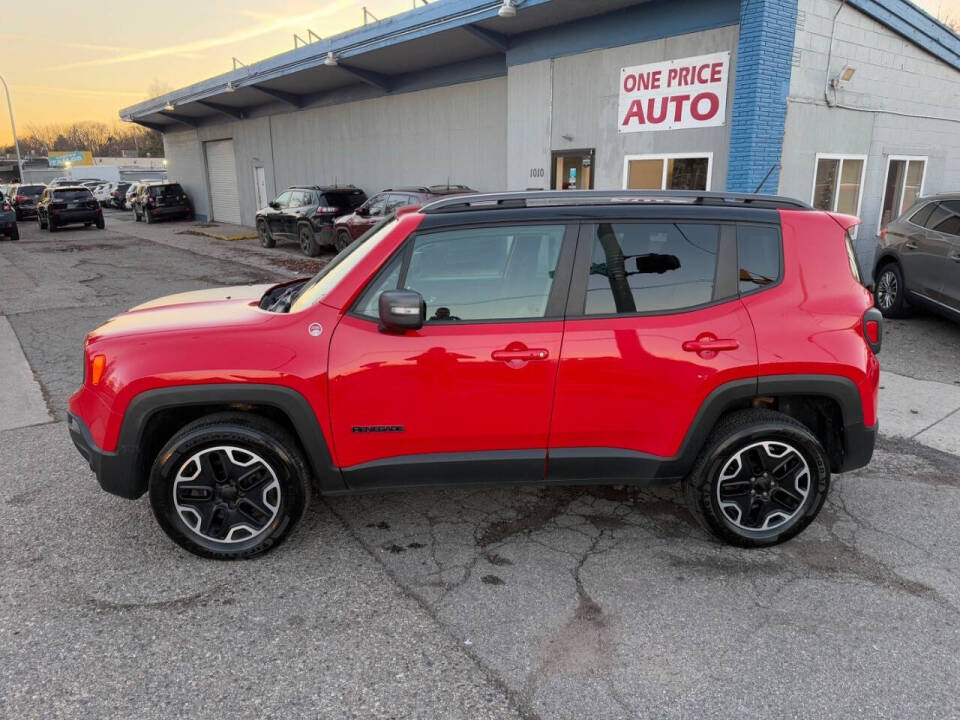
191,122
292,99
233,112
152,126
379,81
496,40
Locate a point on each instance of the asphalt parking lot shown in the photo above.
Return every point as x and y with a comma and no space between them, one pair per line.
600,602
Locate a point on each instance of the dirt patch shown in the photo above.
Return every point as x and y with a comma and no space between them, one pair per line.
305,267
492,580
77,248
550,503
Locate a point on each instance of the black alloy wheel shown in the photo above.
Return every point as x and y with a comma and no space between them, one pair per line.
761,478
229,486
308,243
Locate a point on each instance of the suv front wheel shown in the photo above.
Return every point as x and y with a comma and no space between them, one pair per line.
761,478
229,486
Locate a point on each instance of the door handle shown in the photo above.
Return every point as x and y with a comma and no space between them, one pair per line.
955,257
524,355
710,345
910,244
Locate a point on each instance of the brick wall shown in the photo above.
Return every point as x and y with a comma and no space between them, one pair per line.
762,83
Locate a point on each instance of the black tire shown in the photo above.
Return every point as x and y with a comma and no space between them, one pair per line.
101,223
15,233
308,241
86,225
281,470
266,238
147,218
743,432
890,292
342,239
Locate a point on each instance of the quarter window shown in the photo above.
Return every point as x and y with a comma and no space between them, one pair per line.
667,172
649,267
946,219
485,273
758,249
921,216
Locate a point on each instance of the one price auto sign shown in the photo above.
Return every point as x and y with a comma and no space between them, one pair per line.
686,93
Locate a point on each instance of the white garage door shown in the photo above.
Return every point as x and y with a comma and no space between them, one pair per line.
222,173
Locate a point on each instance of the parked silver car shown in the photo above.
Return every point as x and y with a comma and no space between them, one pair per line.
918,259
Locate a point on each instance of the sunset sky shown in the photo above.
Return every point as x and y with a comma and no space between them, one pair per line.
85,61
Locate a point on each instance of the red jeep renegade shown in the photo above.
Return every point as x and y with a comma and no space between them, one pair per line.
720,340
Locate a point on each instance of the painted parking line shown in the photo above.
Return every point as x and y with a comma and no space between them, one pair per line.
21,400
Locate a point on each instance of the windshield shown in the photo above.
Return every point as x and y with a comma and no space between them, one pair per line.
166,190
324,281
30,189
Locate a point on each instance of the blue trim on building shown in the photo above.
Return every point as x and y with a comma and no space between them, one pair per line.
908,20
640,23
764,56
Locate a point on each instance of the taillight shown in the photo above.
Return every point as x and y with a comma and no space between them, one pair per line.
7,208
873,329
883,233
326,210
21,198
150,201
183,197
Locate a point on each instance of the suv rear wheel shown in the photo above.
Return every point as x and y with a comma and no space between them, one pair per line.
308,243
342,240
229,486
761,478
889,293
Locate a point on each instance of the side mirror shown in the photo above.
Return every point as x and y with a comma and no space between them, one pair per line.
402,310
274,204
363,211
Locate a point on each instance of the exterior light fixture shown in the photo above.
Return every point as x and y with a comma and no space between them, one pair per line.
508,9
844,76
230,86
331,59
169,107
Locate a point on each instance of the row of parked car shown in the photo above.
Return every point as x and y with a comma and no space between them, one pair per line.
335,215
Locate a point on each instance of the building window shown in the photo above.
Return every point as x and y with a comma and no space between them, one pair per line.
681,171
902,185
838,183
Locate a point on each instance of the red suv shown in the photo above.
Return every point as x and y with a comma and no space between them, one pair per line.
348,228
724,341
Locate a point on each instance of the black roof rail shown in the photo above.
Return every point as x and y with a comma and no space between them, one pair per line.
573,198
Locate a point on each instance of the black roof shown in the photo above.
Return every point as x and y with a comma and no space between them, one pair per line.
433,189
327,188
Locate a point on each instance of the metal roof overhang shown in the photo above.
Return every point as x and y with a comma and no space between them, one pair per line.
391,55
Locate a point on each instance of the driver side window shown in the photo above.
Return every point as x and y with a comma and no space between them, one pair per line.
377,205
283,199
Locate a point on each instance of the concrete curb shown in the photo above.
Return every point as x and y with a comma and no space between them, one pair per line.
921,410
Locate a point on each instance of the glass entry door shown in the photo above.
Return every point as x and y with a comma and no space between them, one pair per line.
572,169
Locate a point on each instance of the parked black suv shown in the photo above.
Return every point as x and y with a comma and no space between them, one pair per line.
118,198
59,206
24,198
306,213
162,200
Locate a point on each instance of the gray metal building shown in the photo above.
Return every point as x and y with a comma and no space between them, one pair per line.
853,105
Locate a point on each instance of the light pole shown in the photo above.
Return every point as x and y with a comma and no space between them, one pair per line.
13,125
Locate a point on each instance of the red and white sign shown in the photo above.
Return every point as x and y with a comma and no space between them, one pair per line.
686,93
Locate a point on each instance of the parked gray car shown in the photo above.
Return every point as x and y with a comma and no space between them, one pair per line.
918,259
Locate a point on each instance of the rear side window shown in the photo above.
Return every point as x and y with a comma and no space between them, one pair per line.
650,267
949,220
758,252
173,190
923,214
